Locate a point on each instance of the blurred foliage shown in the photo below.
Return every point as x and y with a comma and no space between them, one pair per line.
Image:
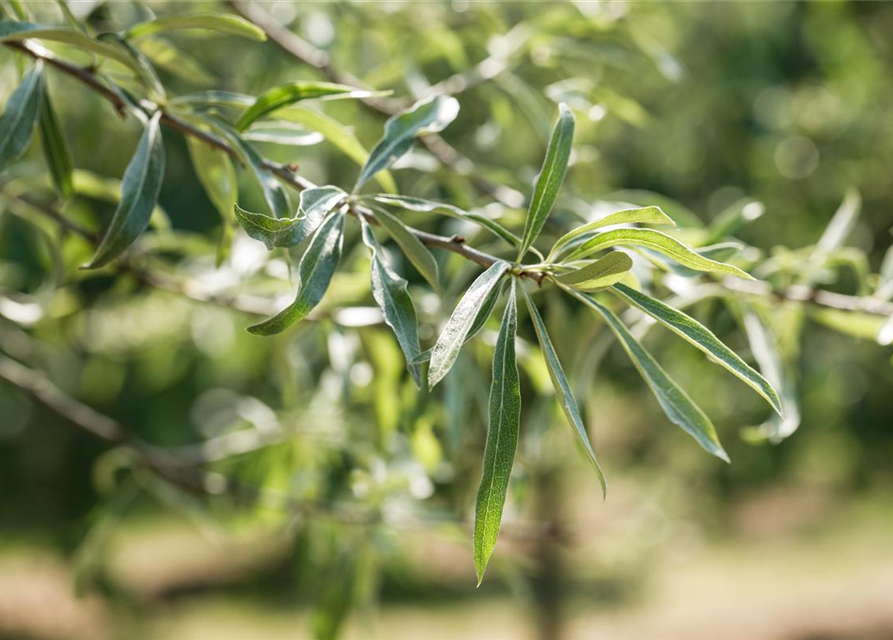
754,122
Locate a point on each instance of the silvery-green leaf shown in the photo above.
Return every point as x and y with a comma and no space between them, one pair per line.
139,193
767,353
284,133
421,205
480,321
601,273
166,55
389,291
502,439
704,339
12,31
315,204
550,179
647,215
213,98
563,389
55,148
451,339
426,116
418,254
22,111
315,272
213,21
678,407
289,93
656,241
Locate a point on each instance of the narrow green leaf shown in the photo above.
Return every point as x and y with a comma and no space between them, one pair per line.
426,116
315,205
656,241
55,149
22,112
214,98
502,439
139,193
680,409
563,389
604,272
342,137
289,93
284,133
417,253
389,291
315,272
451,339
550,179
480,321
217,176
12,31
213,21
704,339
274,192
647,215
421,205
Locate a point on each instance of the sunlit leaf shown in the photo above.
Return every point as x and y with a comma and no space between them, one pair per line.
678,407
315,273
451,339
426,116
550,179
288,94
704,339
139,193
502,439
418,254
563,389
647,215
601,273
656,241
389,291
213,21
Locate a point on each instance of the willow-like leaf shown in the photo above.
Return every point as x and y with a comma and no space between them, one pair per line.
563,389
289,93
139,193
451,339
315,271
601,273
550,179
502,439
426,116
418,254
647,215
656,241
23,109
212,21
421,205
677,405
12,31
315,204
389,291
704,339
55,148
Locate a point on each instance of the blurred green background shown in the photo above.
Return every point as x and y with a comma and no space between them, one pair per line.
787,103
